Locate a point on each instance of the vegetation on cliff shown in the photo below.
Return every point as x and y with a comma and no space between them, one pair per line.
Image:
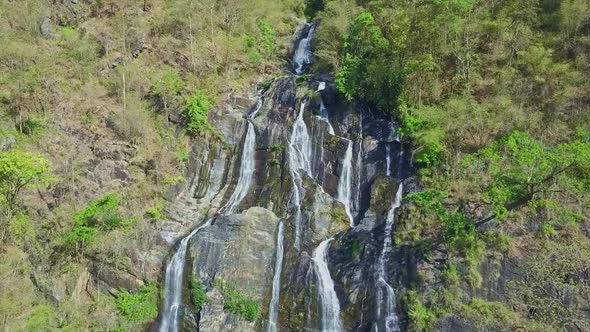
91,96
494,98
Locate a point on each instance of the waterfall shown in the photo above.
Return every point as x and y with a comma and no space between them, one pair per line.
302,56
345,182
327,295
359,165
385,295
273,311
299,152
324,115
174,278
246,171
259,103
173,284
387,159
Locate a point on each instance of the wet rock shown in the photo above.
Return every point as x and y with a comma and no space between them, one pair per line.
238,250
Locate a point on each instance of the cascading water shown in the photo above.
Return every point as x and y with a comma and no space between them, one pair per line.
387,319
302,56
174,278
327,294
359,165
246,171
345,183
324,116
299,152
273,311
173,284
387,160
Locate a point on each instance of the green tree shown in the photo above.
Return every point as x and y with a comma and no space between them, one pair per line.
20,170
195,113
167,88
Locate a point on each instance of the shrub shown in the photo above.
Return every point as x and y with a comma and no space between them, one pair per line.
237,303
356,249
276,148
99,212
141,307
195,113
155,213
420,317
450,275
198,295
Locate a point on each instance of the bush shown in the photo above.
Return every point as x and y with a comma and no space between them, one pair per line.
195,113
141,307
99,212
155,213
420,317
237,303
198,295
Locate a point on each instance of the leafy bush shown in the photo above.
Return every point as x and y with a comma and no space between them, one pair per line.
195,113
141,307
155,213
237,303
276,148
198,296
420,317
99,212
356,249
19,170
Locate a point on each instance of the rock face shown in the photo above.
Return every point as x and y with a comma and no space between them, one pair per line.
238,250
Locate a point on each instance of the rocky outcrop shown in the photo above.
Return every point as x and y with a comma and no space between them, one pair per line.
237,250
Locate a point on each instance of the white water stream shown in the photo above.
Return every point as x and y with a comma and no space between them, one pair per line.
174,278
386,313
299,164
327,295
273,311
345,183
302,56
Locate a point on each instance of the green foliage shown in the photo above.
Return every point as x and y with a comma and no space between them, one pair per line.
155,213
237,303
313,6
267,37
338,215
367,71
430,201
81,236
141,307
523,170
420,317
277,148
198,296
167,87
451,275
195,113
356,249
42,318
20,170
100,214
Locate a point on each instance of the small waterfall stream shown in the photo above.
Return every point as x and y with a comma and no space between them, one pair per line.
323,111
302,56
345,182
273,311
299,152
173,284
386,314
327,295
174,278
246,170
